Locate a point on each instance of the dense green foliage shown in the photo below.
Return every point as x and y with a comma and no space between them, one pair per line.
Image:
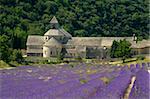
120,49
19,18
8,54
17,56
140,57
60,57
4,49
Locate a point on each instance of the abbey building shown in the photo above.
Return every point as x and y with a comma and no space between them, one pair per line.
57,41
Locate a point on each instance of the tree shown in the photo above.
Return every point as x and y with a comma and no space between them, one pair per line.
78,17
60,57
120,49
7,54
61,54
113,49
4,49
17,56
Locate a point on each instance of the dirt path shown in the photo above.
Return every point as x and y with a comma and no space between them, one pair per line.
128,90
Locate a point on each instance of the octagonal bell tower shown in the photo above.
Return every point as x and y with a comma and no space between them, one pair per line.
54,31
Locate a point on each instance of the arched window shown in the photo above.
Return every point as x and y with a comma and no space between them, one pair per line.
46,37
51,53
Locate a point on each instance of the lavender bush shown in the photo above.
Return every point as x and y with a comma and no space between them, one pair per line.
88,81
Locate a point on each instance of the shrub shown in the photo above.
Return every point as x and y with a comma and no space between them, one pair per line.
71,65
121,49
79,59
60,57
17,56
83,80
140,57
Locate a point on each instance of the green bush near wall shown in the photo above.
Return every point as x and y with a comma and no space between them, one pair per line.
140,57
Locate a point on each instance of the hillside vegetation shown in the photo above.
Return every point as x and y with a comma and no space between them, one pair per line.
20,18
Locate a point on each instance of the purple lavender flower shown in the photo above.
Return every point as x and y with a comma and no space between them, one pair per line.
141,89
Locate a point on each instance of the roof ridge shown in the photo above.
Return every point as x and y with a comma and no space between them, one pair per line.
53,32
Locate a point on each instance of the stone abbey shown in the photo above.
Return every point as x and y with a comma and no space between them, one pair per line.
56,41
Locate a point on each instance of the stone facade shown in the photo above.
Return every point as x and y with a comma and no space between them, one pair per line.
57,39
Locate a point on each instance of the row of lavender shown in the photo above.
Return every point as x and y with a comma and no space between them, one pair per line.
36,82
141,87
118,87
62,82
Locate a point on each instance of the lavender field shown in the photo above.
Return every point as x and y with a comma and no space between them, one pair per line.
83,81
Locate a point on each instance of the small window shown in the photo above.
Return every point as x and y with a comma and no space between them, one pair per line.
53,26
51,53
46,37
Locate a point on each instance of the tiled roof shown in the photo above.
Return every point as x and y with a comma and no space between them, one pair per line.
54,32
35,40
141,44
87,41
108,41
71,50
65,33
52,42
58,32
54,20
35,51
96,41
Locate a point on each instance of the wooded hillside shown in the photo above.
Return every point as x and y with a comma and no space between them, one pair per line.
20,18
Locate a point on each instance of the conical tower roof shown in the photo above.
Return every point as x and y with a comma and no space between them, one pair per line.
52,42
54,20
54,32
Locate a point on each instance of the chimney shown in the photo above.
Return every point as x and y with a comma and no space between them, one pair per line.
134,37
